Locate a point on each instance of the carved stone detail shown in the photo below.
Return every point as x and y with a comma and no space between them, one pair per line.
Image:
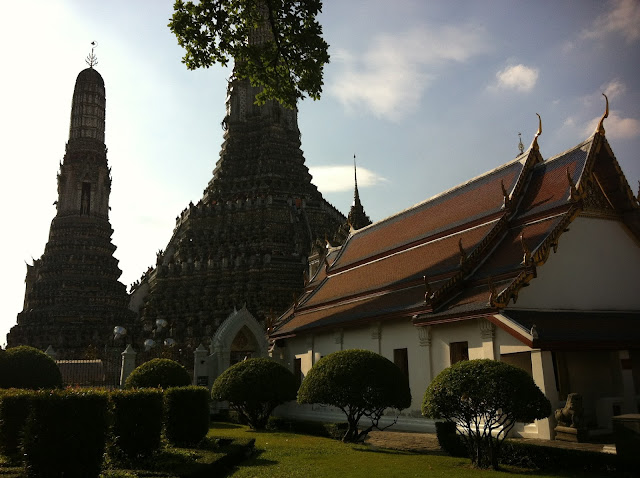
424,336
487,329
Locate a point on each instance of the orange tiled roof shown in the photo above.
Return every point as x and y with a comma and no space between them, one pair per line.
378,273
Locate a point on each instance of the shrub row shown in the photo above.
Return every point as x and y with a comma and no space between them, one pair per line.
308,427
527,455
64,432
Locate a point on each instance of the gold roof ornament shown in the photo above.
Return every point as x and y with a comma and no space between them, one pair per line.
505,194
573,191
534,143
428,294
600,128
463,254
526,252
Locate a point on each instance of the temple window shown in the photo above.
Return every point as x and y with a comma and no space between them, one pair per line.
458,351
401,359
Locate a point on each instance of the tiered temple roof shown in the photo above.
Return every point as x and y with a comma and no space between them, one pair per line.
467,252
246,242
73,298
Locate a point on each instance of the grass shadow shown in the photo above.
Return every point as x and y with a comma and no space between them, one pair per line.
225,426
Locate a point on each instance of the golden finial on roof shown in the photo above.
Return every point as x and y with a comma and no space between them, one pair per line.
605,115
463,254
520,145
526,253
534,144
92,59
427,290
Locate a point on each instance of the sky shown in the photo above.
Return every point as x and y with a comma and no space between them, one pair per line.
426,94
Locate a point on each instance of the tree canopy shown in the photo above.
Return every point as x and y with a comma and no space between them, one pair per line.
254,387
358,382
276,44
484,398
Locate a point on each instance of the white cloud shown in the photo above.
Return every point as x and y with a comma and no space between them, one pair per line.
623,18
517,77
391,77
340,178
614,89
616,126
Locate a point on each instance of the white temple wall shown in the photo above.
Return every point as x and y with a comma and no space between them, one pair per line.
595,268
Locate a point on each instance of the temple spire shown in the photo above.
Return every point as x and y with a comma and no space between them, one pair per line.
357,218
356,195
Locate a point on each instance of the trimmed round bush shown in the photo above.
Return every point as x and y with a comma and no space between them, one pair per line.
137,421
28,367
358,382
159,373
65,434
484,398
186,414
254,387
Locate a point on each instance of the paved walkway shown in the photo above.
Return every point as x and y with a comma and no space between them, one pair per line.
428,442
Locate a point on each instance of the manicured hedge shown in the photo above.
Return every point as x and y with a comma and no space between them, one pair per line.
450,441
308,427
137,421
28,367
65,434
159,373
547,458
186,414
14,410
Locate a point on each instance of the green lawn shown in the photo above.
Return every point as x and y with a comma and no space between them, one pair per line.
281,454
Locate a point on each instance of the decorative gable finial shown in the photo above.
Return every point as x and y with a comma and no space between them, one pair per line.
92,59
520,145
526,253
534,143
600,128
505,194
428,294
573,191
463,254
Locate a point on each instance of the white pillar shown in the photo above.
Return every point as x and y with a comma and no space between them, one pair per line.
200,369
376,334
424,338
543,376
628,386
487,333
128,363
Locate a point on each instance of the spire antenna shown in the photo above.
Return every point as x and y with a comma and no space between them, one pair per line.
92,59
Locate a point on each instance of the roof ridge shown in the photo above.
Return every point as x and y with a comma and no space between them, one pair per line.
521,158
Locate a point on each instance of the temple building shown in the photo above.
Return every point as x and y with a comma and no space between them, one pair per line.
534,263
73,299
245,244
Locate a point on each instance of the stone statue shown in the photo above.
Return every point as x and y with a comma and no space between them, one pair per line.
572,414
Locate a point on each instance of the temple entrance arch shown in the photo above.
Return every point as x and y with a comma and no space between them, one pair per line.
240,336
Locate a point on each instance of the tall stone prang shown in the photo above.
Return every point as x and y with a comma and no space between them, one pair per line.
73,299
246,242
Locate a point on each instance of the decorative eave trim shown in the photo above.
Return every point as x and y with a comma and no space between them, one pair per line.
513,328
470,262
